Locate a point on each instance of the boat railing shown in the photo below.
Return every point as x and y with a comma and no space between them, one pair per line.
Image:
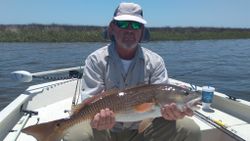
11,114
25,76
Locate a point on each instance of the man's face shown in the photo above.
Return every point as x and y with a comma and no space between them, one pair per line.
127,34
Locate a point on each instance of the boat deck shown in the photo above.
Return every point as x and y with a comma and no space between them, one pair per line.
52,101
51,112
231,123
59,110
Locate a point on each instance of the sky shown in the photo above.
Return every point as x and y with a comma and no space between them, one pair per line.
158,13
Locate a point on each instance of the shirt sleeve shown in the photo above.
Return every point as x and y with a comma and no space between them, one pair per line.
92,79
159,74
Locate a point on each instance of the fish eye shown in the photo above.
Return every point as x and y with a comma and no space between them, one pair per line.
186,92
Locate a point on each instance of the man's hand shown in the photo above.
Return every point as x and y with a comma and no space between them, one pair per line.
171,112
103,120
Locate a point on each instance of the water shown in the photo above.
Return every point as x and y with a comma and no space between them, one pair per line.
223,64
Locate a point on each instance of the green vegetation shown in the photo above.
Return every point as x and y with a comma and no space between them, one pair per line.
202,33
50,33
68,33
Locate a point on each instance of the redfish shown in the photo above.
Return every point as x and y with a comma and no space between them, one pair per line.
129,105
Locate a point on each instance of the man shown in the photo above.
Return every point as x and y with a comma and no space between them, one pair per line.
124,63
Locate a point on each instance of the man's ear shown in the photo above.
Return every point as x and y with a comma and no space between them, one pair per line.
145,35
108,32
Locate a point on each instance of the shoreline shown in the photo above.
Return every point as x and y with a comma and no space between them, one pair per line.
70,33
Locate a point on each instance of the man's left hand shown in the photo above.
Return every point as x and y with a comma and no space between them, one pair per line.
171,112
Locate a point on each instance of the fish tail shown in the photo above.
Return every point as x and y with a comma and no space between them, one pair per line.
49,131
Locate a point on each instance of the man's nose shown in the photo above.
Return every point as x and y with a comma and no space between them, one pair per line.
130,27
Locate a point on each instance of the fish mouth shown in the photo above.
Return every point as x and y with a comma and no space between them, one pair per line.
193,104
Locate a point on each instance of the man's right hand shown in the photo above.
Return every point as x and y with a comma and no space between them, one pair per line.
103,120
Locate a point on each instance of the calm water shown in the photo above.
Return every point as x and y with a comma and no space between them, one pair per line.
224,64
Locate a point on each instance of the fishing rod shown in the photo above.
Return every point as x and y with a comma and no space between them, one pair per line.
219,125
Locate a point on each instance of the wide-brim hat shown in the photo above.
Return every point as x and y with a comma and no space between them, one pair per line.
129,12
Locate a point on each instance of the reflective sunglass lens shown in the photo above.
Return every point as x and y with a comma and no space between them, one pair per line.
122,24
125,25
135,25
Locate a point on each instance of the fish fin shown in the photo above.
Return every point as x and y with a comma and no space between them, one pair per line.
144,124
193,102
144,107
137,86
111,91
77,108
195,108
49,131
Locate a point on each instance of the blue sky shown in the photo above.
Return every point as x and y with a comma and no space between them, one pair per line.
158,13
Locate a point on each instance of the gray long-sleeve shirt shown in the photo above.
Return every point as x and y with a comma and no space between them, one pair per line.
104,70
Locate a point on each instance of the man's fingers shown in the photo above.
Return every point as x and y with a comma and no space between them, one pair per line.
103,120
111,118
94,122
189,112
176,112
108,118
102,114
171,112
167,112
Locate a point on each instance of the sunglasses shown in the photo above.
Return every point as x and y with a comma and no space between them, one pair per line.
125,24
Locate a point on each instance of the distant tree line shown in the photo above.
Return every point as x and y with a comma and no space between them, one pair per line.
73,33
198,33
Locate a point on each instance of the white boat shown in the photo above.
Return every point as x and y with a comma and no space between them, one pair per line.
227,120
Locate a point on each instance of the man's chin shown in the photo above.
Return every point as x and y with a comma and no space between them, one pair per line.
129,46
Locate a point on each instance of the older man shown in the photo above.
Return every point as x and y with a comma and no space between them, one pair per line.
124,63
